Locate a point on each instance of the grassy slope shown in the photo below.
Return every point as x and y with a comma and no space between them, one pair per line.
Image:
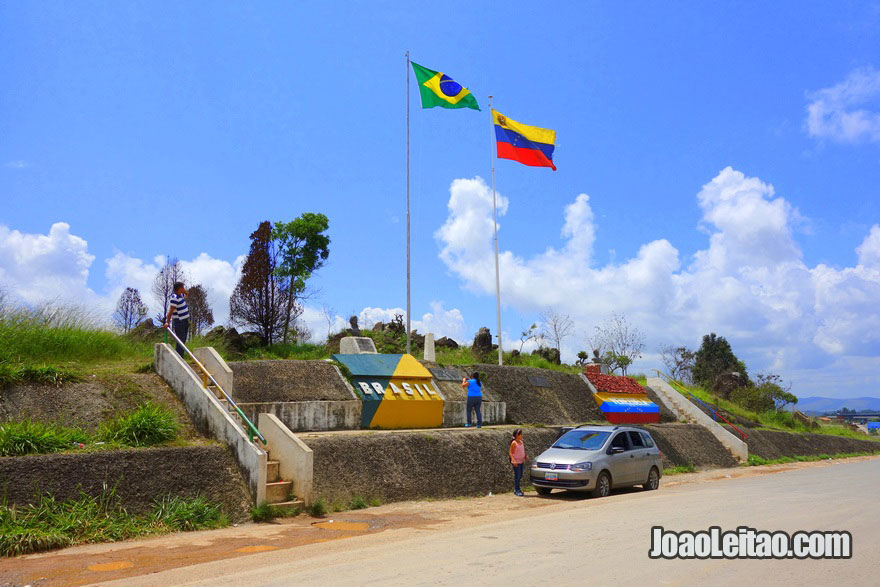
773,420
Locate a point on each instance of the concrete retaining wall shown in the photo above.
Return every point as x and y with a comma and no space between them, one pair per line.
216,366
210,418
314,415
455,413
139,477
295,459
687,411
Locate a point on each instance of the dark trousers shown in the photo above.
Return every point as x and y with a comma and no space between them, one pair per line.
517,477
475,403
181,328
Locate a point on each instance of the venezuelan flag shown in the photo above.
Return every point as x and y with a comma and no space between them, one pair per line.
438,89
530,145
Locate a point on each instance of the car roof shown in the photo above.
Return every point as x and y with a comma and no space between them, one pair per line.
610,428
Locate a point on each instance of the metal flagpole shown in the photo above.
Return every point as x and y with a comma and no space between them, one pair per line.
408,337
495,219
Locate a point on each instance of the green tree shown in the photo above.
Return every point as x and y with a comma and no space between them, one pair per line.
715,357
302,250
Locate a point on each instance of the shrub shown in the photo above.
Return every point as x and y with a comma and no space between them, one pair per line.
27,437
188,514
358,503
756,399
318,508
47,523
148,425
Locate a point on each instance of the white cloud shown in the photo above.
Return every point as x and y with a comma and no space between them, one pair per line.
17,164
840,113
38,268
750,284
440,321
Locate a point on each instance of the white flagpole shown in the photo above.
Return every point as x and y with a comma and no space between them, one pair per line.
408,336
495,221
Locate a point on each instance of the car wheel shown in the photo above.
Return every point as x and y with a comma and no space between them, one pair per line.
543,490
653,480
603,485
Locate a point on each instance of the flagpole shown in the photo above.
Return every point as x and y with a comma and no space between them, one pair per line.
408,336
495,221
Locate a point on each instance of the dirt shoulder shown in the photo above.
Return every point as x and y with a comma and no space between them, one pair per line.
106,562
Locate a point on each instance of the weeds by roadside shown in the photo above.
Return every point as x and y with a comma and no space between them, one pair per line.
148,425
48,524
755,460
679,469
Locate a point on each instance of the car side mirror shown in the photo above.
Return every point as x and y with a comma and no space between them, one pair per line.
615,450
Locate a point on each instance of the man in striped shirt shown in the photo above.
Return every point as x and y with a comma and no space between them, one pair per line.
179,310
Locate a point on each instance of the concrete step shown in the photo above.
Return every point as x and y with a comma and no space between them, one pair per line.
272,471
295,503
278,491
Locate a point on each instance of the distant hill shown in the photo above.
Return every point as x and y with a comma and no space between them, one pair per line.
818,405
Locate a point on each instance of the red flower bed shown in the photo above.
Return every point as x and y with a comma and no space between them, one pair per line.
613,383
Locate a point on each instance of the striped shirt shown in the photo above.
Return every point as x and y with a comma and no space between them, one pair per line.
181,311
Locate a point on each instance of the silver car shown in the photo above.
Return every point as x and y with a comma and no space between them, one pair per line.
597,459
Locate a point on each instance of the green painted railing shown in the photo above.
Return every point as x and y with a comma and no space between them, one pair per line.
253,432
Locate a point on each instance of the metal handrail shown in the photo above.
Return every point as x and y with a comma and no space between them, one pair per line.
716,414
253,429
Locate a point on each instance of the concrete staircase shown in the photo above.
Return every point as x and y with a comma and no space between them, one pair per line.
278,491
688,412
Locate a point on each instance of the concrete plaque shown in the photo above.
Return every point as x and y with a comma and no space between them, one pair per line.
446,374
357,345
539,381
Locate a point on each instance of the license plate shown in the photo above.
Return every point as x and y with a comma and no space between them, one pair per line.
551,476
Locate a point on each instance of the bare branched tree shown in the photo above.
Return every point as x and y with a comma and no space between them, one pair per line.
679,362
259,299
130,309
163,285
328,313
201,315
622,344
556,328
527,334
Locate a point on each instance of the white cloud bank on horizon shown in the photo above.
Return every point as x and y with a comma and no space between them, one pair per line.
54,268
750,284
840,113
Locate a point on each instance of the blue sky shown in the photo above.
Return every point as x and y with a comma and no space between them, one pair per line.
175,129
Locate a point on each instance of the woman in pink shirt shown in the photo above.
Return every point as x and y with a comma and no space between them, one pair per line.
517,458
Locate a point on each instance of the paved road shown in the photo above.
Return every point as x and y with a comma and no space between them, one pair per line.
592,541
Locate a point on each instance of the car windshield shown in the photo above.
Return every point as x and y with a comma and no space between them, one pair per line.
582,440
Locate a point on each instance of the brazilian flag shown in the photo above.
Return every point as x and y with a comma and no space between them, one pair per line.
438,89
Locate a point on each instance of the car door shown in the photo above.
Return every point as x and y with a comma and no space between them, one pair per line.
641,457
620,463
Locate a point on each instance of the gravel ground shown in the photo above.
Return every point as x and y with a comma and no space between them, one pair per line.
567,401
287,381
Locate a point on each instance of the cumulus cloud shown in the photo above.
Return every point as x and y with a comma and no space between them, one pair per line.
848,112
45,267
442,322
749,283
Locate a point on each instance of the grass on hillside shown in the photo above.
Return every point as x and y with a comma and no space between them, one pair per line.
771,420
149,425
48,524
59,334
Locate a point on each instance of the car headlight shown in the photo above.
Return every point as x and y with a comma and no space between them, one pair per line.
582,467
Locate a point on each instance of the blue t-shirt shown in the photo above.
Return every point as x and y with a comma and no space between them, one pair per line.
474,388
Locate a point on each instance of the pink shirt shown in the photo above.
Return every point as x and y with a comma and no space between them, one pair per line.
519,451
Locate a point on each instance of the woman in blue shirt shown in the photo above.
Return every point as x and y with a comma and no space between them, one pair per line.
474,398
